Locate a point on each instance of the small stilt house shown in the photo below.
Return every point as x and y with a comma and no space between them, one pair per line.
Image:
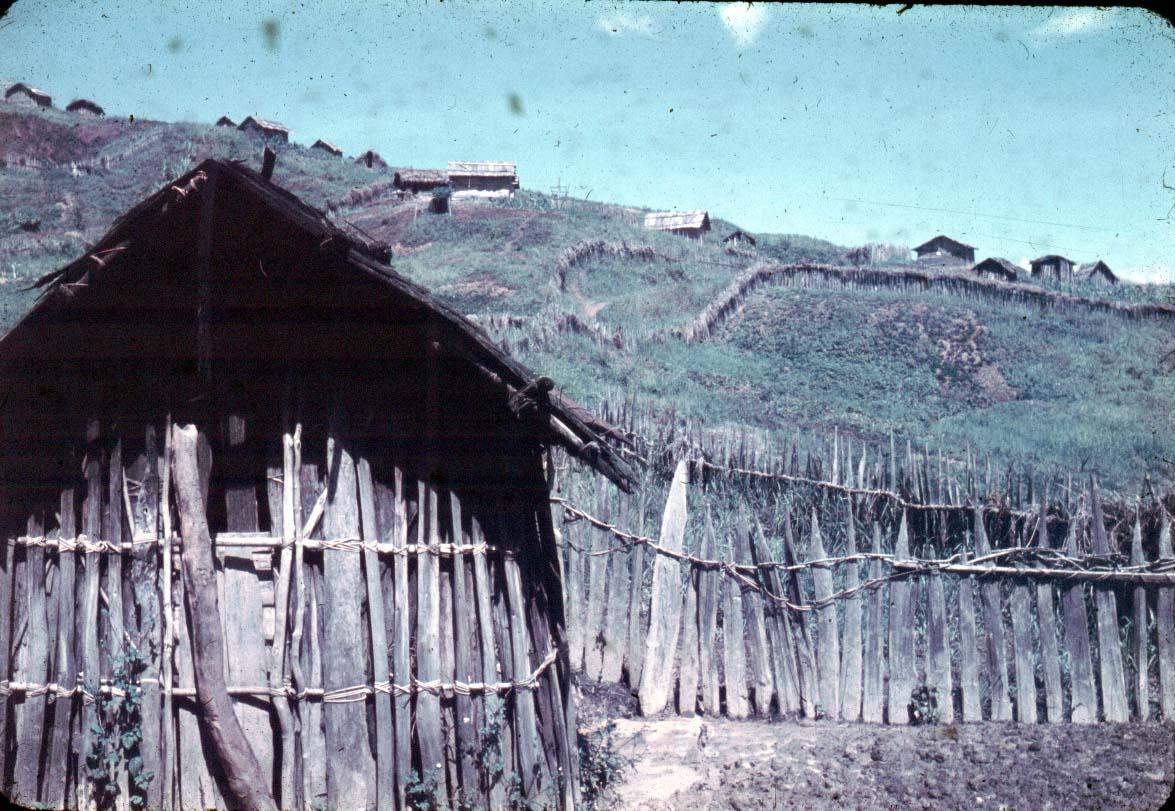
738,237
372,160
1095,273
269,130
693,224
418,180
943,250
1054,267
27,95
327,147
225,121
84,107
996,268
483,178
229,428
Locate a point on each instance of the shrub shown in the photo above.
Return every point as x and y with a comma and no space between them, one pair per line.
439,204
601,768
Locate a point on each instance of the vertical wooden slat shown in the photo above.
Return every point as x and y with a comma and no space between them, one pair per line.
574,536
758,648
1141,657
59,771
872,692
709,593
665,604
1113,679
343,641
993,624
1165,622
1083,702
687,669
7,562
616,610
282,526
779,632
902,667
445,659
1046,612
968,649
31,726
489,659
530,747
1022,649
428,665
115,642
464,633
87,610
850,663
397,500
597,566
734,655
827,635
385,777
167,658
802,636
938,668
635,656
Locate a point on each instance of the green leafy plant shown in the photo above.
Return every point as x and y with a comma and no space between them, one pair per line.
923,706
601,767
117,733
422,793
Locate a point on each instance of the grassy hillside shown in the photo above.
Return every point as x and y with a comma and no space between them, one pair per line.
592,298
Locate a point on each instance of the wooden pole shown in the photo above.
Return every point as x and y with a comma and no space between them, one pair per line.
1141,657
709,593
1165,620
850,663
247,788
1113,679
1083,701
827,634
1050,655
902,667
993,622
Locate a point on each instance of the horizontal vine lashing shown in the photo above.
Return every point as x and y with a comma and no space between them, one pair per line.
342,695
83,543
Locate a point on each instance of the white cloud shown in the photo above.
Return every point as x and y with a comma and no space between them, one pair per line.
743,21
619,23
1071,23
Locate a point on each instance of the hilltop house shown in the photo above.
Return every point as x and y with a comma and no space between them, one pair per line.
225,306
372,160
418,180
328,147
483,178
996,268
27,95
1054,267
691,224
225,121
84,107
1096,273
737,237
943,250
269,130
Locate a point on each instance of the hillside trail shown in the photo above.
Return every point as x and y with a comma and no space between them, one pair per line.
702,764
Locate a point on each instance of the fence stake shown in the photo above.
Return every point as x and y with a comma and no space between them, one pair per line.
872,697
756,634
709,592
1165,619
993,622
827,638
1021,610
1141,657
902,667
1113,679
1046,612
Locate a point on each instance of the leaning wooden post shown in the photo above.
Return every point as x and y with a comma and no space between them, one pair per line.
1165,619
1050,656
1083,696
246,787
1141,674
1114,707
665,605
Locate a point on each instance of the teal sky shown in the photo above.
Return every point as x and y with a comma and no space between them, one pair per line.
1030,130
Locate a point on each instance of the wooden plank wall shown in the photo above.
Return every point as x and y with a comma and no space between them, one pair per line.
385,640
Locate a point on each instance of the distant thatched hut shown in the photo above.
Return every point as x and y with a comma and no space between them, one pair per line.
328,147
483,178
737,237
372,469
372,160
943,250
418,180
269,130
691,224
225,121
27,95
996,268
1054,267
84,107
1095,273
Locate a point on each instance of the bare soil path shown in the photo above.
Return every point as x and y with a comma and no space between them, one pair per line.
699,764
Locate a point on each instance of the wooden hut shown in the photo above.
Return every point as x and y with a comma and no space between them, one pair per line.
996,268
228,427
738,237
1052,266
943,250
418,180
27,95
691,224
327,147
269,130
84,107
372,160
225,121
483,178
1095,273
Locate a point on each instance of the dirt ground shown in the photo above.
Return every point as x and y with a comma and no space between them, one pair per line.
701,764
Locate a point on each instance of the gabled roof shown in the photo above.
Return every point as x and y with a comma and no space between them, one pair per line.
739,234
327,146
40,96
84,104
421,177
1089,269
371,159
996,264
225,121
570,425
941,241
264,125
677,220
482,169
1049,258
